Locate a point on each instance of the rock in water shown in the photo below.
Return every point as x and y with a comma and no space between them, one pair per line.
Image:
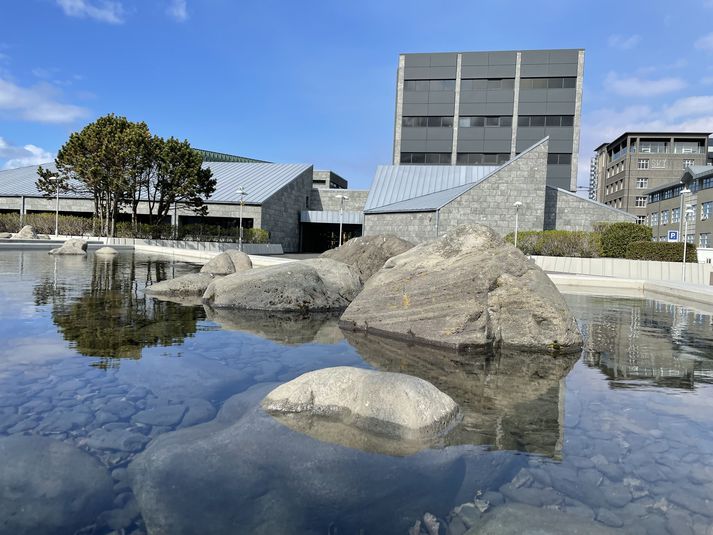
368,253
231,261
193,284
48,486
26,233
106,251
382,403
73,246
5,235
466,290
310,285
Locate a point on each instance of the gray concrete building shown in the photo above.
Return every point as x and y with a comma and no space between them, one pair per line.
635,163
484,108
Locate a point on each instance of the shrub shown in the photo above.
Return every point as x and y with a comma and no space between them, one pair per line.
617,236
43,223
194,232
661,251
558,243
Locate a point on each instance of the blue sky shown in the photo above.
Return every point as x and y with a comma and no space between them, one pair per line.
314,81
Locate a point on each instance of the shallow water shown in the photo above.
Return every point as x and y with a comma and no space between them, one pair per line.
166,399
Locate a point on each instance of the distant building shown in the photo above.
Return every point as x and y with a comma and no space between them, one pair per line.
484,108
635,163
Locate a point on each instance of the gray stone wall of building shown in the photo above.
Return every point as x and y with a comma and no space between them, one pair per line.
416,227
327,199
327,179
281,212
567,211
491,201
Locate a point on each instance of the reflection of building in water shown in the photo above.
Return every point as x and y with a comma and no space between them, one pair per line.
644,340
511,401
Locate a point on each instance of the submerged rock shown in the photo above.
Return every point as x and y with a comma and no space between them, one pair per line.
110,251
73,246
393,405
26,233
466,290
319,284
5,235
367,254
48,486
193,284
227,262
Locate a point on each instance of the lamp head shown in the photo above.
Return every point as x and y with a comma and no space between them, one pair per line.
517,204
685,191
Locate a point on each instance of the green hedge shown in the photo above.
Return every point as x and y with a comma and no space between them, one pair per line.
558,243
197,232
43,223
661,251
616,237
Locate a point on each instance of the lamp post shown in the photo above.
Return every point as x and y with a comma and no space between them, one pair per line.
517,205
689,212
685,191
56,207
242,193
341,198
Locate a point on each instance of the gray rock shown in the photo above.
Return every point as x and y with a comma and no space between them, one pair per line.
199,411
48,486
367,254
73,246
193,284
26,233
5,235
168,415
106,251
383,403
466,290
228,262
273,480
115,440
311,285
515,519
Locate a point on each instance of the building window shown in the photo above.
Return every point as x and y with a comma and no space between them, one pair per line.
643,163
690,238
688,163
654,219
706,209
429,85
687,147
545,120
640,202
480,121
642,183
640,219
480,158
704,239
307,202
618,203
653,147
664,217
554,158
431,122
675,215
426,158
548,83
482,84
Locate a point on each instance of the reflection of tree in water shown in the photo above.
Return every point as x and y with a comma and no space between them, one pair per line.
112,319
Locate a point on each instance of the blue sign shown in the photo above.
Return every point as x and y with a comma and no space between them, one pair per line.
672,235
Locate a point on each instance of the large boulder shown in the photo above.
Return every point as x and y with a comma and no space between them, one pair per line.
368,253
48,486
231,261
73,246
108,251
391,405
311,285
5,235
192,284
26,233
467,290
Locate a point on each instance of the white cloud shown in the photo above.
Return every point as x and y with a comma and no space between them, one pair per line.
705,43
37,103
111,11
22,156
624,43
178,9
634,86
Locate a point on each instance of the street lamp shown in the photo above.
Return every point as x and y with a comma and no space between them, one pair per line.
341,198
517,205
242,193
685,191
56,207
689,213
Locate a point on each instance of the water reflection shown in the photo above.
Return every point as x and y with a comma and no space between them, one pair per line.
512,401
111,318
645,343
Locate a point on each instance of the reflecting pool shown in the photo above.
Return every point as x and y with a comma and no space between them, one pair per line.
120,413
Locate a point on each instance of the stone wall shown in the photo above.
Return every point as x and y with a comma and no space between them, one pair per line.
491,201
281,212
415,227
326,199
568,211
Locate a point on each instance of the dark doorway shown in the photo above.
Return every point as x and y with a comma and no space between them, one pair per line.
319,237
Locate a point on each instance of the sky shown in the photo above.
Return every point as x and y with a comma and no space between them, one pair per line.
313,81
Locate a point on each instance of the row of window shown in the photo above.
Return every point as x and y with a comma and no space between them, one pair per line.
705,213
488,121
554,158
658,147
475,158
481,84
545,120
704,239
639,202
675,191
645,163
481,158
616,186
432,122
431,158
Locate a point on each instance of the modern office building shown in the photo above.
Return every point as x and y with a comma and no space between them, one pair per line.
484,108
635,163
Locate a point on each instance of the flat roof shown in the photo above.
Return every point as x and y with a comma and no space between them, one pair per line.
653,134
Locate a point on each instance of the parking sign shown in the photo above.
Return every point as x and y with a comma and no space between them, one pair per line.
672,235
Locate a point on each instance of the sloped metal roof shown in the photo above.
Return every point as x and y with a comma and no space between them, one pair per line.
425,203
259,180
396,183
698,171
349,217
